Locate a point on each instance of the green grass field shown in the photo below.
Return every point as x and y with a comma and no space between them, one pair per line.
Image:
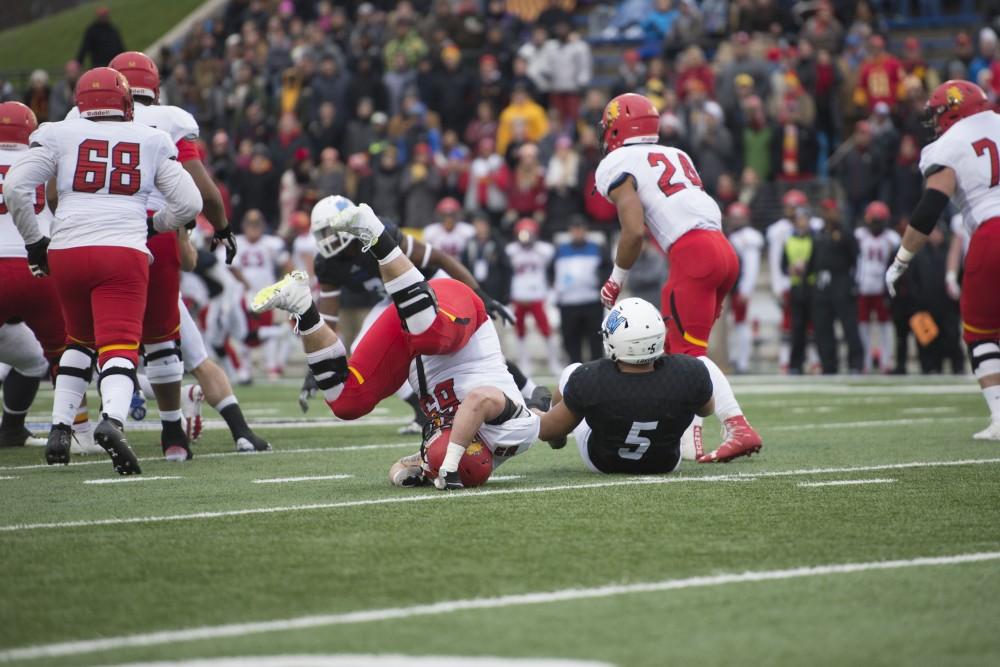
716,565
50,42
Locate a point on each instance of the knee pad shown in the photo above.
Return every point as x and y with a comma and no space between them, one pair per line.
77,361
329,369
417,307
163,363
985,357
118,366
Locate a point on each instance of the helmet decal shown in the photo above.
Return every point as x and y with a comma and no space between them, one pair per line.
615,320
954,95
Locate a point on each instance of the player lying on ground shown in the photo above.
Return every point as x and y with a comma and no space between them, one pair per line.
963,164
628,412
438,335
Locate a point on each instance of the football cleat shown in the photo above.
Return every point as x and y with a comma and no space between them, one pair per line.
448,481
110,435
83,442
992,432
361,223
137,408
58,446
191,399
19,437
252,443
413,428
739,440
177,453
291,293
541,399
408,472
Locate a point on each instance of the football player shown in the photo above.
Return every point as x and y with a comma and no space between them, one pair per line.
963,165
438,335
25,364
531,261
628,412
876,243
748,243
106,168
657,188
341,264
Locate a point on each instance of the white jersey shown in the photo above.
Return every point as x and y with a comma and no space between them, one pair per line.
777,233
11,243
875,254
480,363
105,173
669,188
303,246
451,242
530,265
748,243
260,261
177,123
970,148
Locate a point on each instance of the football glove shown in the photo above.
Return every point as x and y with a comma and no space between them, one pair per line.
309,389
38,257
895,270
610,292
225,238
495,308
448,481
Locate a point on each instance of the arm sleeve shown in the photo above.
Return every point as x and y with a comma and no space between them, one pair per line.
181,193
38,166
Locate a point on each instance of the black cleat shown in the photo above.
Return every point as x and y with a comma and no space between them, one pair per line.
251,442
541,399
14,437
57,448
110,435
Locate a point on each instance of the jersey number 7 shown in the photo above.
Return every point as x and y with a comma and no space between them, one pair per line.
669,170
989,146
92,168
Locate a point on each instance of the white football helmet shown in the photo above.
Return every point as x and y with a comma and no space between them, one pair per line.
634,332
325,211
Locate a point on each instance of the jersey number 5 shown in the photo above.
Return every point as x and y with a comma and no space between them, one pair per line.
92,168
39,193
669,170
640,443
985,145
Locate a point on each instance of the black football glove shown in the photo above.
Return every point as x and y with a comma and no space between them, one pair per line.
541,399
495,308
38,257
448,481
226,238
309,389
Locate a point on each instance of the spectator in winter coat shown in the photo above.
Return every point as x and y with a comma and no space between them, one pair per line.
562,182
486,258
569,71
524,111
419,186
387,178
330,175
101,41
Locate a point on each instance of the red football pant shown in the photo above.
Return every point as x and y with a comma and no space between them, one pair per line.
36,302
739,305
162,318
980,300
102,290
873,304
381,361
703,270
537,310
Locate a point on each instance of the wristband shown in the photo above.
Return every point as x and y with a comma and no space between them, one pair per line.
903,255
619,275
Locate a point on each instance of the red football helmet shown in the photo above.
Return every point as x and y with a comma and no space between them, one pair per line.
526,229
951,102
474,468
877,210
448,206
629,119
738,210
794,199
141,72
103,93
17,122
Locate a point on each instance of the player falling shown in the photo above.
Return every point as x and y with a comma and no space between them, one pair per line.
963,165
657,188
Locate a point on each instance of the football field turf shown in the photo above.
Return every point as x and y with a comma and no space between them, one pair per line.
866,532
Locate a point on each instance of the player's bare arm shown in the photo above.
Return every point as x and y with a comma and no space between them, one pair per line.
213,208
558,422
632,218
939,189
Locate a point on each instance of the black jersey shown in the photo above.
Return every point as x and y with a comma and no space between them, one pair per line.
637,419
358,271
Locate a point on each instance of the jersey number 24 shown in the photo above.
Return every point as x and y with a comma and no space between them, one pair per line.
669,171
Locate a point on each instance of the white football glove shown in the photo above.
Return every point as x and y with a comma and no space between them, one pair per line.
895,270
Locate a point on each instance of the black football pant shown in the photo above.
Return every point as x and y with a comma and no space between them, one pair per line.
837,303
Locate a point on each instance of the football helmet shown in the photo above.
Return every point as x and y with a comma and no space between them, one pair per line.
794,199
104,93
474,468
329,241
17,122
448,206
140,71
877,210
634,332
526,229
951,102
629,119
738,211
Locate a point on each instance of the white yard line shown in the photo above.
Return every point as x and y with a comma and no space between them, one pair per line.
849,482
482,493
131,478
11,477
505,478
869,423
289,480
452,606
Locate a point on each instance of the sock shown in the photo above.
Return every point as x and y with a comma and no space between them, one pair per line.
71,384
725,400
452,457
235,420
992,396
18,393
116,389
170,423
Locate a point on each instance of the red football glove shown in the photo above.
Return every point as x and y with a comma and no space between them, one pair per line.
610,292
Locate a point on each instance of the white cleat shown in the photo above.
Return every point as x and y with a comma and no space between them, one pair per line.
191,399
291,293
992,432
413,428
83,442
360,222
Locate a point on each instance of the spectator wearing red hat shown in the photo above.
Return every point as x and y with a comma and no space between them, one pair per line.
880,76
